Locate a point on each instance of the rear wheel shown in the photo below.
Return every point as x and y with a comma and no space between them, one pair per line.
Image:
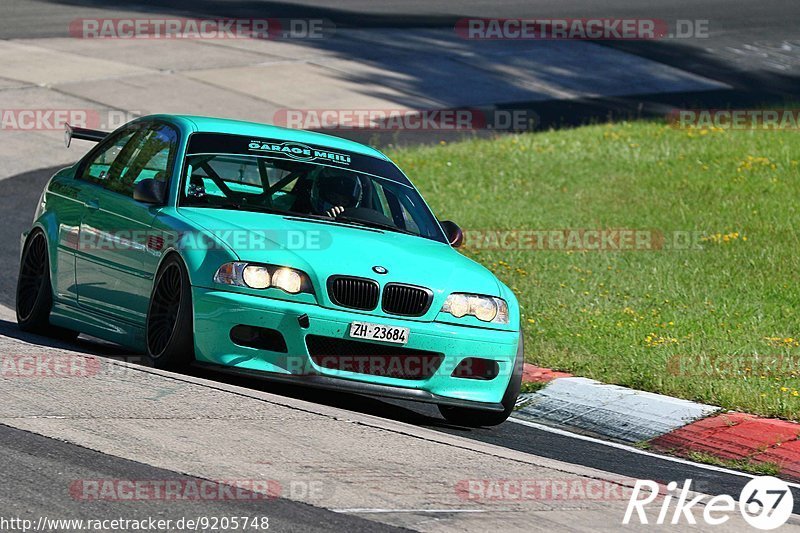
464,416
170,340
35,291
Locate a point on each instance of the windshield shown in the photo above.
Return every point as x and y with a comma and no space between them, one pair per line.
234,172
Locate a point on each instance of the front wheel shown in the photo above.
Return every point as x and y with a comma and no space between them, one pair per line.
465,416
170,339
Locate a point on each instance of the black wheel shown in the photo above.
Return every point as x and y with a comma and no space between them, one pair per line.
35,292
464,416
170,340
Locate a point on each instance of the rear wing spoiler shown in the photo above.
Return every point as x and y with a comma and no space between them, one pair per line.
84,134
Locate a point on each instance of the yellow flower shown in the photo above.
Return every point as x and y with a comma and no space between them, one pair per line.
654,340
718,238
752,163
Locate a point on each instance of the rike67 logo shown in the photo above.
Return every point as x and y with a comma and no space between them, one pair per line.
765,503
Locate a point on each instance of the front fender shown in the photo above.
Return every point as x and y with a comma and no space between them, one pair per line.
202,256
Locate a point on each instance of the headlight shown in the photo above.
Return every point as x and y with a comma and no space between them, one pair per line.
484,308
287,279
457,305
257,276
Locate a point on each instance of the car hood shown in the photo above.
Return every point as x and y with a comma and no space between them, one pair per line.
324,249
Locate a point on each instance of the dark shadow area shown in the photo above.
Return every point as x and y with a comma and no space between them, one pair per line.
761,84
559,114
754,83
18,195
84,344
340,15
401,411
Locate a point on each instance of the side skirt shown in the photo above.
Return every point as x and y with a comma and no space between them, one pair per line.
100,326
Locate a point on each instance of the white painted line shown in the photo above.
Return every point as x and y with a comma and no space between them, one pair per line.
631,449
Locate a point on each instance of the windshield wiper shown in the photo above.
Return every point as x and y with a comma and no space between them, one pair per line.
376,225
242,207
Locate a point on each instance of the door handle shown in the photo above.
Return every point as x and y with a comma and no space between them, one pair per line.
93,205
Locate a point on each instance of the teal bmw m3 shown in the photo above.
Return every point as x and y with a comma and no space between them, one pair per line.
285,254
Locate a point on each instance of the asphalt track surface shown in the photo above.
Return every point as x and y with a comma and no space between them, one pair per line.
42,467
26,454
753,47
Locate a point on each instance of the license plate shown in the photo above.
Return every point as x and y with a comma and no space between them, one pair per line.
377,332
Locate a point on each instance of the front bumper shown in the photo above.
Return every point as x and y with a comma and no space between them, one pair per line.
217,312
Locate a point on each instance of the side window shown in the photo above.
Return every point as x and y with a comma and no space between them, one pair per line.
98,170
151,156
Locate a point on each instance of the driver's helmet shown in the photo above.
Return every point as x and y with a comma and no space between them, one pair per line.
335,189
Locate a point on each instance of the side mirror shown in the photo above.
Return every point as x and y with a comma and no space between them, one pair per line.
454,234
149,191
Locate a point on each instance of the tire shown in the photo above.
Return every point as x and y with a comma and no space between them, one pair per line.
34,299
464,416
169,331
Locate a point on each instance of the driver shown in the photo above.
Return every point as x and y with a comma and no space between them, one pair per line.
332,193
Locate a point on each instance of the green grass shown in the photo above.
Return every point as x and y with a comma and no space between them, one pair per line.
745,465
532,386
717,323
